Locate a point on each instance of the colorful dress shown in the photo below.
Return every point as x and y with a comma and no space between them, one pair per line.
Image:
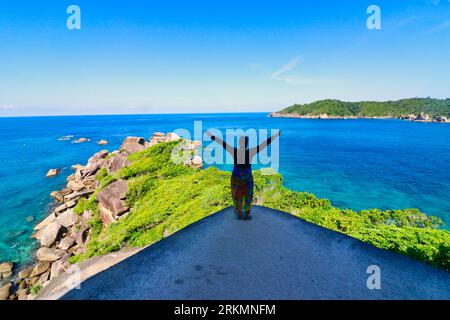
242,189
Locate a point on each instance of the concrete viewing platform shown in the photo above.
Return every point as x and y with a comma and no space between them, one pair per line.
273,256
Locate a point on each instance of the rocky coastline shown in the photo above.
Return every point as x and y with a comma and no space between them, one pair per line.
422,117
65,232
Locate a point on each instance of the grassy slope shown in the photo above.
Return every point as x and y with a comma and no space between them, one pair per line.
166,197
435,107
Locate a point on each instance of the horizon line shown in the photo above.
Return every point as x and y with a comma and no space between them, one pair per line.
131,114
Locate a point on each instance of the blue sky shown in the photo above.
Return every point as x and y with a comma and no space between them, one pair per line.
217,56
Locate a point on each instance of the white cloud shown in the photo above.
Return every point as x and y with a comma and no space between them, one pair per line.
286,74
7,107
280,74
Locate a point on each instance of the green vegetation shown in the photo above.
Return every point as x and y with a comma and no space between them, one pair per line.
433,107
166,197
35,289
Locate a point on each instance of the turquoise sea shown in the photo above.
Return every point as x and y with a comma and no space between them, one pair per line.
356,164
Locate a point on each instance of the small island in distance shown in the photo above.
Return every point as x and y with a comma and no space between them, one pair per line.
415,109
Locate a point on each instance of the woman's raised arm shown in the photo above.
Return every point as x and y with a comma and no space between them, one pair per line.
224,145
254,151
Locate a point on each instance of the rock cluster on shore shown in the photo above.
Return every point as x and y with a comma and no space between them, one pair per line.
313,116
422,117
64,233
6,269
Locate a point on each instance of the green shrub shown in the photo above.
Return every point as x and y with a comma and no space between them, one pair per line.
35,289
104,178
84,204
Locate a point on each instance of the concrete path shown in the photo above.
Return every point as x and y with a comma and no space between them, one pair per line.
81,272
272,256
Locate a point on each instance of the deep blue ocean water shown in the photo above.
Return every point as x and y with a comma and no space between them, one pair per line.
356,164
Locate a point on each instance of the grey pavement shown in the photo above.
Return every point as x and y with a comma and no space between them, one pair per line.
273,256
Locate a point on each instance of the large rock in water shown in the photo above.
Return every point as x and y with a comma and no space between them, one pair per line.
6,267
102,142
53,172
5,291
25,273
50,234
111,201
49,254
37,234
45,222
133,144
98,157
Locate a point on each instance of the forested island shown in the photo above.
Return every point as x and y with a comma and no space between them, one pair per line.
415,109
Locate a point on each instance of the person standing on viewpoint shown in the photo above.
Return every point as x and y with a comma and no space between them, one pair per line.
242,178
